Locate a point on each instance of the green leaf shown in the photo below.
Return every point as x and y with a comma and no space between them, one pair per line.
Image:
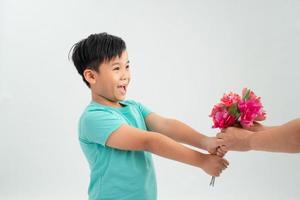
233,109
247,95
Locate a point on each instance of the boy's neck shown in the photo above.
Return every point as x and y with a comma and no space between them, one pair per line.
104,101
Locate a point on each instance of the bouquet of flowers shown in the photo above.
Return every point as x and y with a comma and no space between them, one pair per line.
234,110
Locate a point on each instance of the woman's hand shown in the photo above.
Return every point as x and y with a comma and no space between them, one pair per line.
234,139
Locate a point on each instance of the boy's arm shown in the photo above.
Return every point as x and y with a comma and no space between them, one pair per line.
130,138
180,132
284,138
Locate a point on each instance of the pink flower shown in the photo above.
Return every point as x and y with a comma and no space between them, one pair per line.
230,98
261,116
233,109
250,110
221,117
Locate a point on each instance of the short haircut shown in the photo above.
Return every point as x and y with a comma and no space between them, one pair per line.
91,52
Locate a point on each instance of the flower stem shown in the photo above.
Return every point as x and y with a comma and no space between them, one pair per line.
212,181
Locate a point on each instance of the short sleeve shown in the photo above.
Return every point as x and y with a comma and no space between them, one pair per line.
97,126
143,109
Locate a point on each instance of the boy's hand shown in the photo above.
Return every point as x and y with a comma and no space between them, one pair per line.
214,165
234,139
213,148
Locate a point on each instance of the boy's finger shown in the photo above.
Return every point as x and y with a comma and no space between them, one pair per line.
220,154
226,162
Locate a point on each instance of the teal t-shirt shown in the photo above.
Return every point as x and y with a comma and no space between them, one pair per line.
116,174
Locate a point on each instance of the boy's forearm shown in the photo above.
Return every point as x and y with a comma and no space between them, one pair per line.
184,134
284,138
166,147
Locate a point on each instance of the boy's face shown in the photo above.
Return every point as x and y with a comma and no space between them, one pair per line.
109,85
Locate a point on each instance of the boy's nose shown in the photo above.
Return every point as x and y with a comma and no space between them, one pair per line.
125,75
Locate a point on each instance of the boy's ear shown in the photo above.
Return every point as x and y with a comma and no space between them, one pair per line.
89,76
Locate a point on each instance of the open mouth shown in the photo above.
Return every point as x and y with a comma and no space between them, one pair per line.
122,89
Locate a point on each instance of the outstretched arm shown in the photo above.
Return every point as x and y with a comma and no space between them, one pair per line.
130,138
284,138
181,132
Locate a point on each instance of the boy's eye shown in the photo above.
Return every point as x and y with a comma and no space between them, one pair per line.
127,67
117,68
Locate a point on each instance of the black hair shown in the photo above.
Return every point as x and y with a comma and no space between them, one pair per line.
91,52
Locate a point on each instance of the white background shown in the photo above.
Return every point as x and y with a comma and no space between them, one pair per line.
184,55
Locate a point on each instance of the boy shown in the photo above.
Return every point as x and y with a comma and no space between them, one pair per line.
118,136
